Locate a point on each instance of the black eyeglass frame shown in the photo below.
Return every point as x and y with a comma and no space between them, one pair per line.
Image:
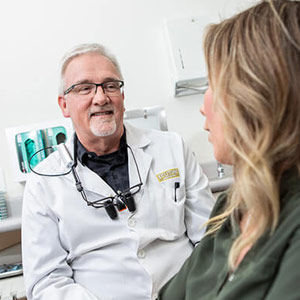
70,89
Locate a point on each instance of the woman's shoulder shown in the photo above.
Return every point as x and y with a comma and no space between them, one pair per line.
220,204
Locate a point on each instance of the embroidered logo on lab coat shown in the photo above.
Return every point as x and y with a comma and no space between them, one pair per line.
172,173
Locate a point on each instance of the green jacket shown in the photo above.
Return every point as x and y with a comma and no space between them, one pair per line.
270,270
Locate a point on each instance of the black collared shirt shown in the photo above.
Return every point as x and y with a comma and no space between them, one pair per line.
112,167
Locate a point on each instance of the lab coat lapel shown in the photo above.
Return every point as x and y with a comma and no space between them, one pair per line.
138,142
90,180
143,163
93,182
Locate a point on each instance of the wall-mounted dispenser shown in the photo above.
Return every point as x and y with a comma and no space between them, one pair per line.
184,40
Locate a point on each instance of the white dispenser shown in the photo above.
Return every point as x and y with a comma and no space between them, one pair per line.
187,64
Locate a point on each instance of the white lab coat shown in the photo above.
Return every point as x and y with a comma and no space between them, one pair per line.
74,251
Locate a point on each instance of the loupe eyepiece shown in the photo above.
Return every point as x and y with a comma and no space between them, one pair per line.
120,203
111,210
130,202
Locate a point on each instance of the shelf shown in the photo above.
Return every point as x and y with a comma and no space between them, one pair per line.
10,224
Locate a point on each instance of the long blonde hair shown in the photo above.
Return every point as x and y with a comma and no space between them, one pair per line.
253,63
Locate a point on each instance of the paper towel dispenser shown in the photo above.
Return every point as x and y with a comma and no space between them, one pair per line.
187,65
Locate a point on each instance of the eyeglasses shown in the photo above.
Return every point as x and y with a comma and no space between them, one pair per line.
113,88
121,200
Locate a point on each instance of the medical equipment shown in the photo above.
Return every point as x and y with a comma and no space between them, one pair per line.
8,270
28,142
120,201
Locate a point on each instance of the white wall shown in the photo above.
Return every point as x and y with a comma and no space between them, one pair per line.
36,33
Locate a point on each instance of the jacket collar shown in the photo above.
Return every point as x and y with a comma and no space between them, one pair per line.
136,138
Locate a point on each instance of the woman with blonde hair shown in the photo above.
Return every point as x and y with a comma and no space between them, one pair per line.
252,246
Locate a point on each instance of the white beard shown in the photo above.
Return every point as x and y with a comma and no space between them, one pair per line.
104,128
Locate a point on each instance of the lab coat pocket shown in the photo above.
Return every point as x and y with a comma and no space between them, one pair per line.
179,193
171,212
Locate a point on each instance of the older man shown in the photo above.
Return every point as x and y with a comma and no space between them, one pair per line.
133,213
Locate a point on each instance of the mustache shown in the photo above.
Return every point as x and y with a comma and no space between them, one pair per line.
100,109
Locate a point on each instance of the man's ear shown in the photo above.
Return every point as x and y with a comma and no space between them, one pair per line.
63,106
123,98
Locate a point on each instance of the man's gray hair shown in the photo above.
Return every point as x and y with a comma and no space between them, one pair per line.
82,49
